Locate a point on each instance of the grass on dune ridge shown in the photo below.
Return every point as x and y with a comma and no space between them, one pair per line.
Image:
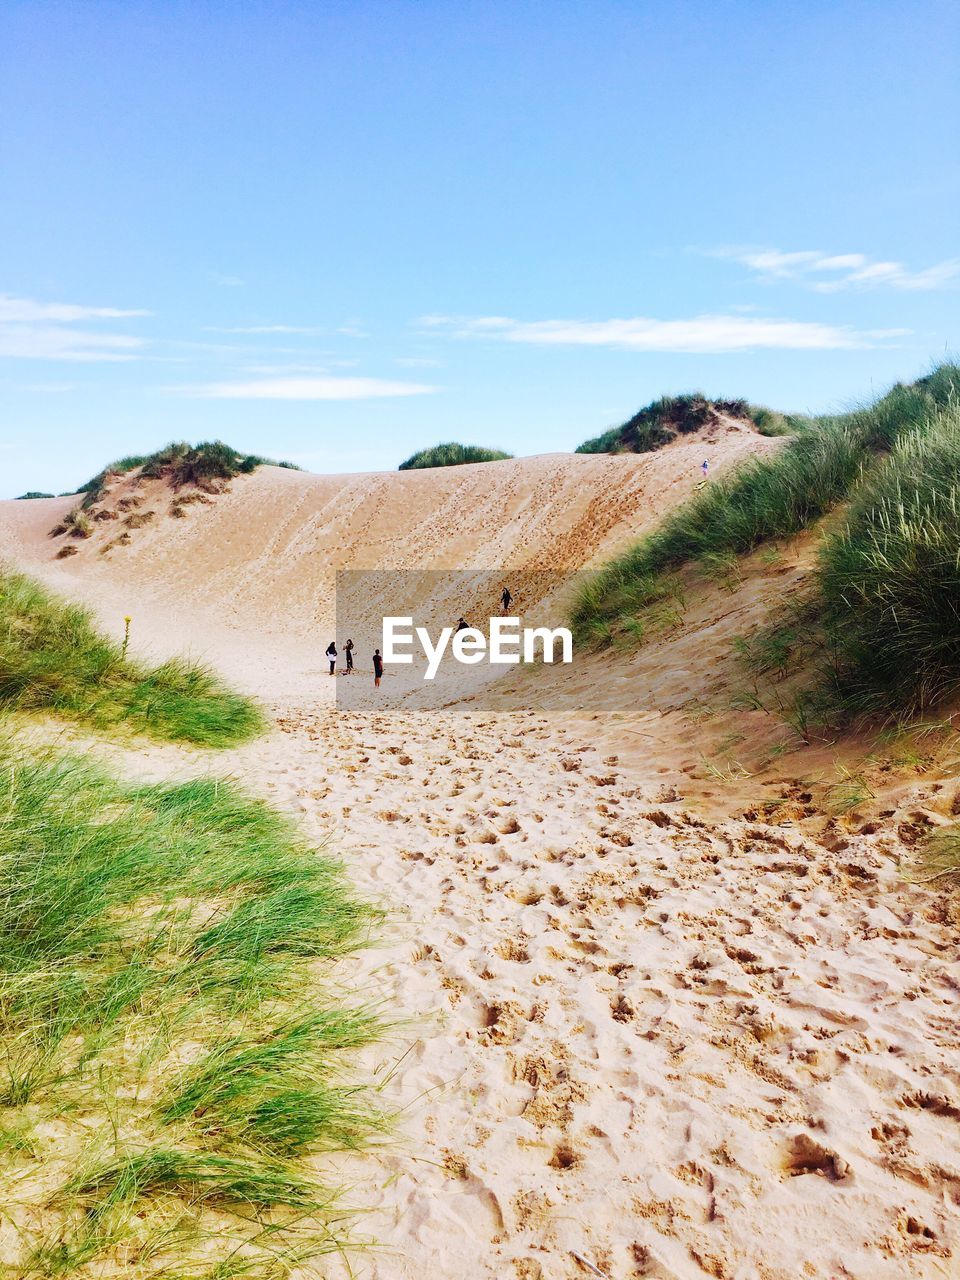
52,658
452,455
158,947
180,463
663,420
886,581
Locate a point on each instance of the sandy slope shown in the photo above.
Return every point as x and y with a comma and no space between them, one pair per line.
250,577
645,1044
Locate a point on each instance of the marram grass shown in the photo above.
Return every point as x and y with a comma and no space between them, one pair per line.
180,463
882,621
826,462
665,419
170,1069
452,455
53,658
889,578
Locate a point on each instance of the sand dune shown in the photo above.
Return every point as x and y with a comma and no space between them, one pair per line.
248,580
644,1043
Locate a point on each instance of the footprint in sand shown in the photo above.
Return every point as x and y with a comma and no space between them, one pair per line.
805,1155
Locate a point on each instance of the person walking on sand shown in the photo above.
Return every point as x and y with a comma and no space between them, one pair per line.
704,467
332,656
506,600
348,650
377,668
463,625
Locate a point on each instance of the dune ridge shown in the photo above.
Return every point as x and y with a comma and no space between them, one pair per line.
256,565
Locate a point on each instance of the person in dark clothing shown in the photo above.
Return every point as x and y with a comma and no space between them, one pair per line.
332,656
348,650
377,668
506,599
463,624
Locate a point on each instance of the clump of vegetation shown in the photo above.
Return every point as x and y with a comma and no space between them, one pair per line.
137,519
170,1070
770,422
76,522
672,416
158,953
452,455
941,853
766,498
877,632
178,508
34,493
889,578
52,658
786,643
182,464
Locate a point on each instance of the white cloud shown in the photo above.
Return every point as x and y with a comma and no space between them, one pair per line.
418,362
266,328
34,342
28,311
700,334
831,273
308,389
349,329
312,368
32,330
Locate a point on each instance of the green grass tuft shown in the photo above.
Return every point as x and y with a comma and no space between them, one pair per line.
452,455
182,464
165,1046
274,1092
197,1176
52,658
889,578
665,419
940,854
769,422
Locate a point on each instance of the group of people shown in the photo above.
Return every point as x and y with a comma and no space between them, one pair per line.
333,654
506,599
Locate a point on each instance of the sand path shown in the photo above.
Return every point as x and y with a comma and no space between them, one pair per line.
672,1049
635,1040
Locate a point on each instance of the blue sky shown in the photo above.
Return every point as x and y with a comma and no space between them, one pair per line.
337,232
